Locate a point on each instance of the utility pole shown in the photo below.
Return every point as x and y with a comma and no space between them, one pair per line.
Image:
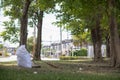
67,34
61,40
50,45
34,40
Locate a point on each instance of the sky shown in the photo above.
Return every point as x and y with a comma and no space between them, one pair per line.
50,32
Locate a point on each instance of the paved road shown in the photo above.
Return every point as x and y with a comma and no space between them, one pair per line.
14,58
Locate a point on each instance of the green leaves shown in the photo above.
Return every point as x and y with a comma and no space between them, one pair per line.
11,32
45,5
12,8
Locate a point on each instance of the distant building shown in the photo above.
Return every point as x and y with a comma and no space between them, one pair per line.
55,48
68,46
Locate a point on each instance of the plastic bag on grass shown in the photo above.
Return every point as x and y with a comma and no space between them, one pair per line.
23,57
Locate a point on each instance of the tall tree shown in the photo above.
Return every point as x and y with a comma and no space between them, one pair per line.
18,10
24,22
114,36
39,36
40,7
96,34
88,12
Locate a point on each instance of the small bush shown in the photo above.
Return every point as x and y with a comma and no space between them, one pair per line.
1,46
81,52
68,57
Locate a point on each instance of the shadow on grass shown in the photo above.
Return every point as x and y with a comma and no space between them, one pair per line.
67,70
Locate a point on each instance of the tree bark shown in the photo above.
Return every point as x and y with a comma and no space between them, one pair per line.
96,38
96,46
114,36
39,37
24,22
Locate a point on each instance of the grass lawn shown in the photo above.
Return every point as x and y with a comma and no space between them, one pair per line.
60,70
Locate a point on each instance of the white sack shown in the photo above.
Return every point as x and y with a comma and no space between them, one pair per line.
23,57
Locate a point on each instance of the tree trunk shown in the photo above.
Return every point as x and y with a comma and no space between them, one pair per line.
114,36
96,37
96,46
108,46
24,22
39,37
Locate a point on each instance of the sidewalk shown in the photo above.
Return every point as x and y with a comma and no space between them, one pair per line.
8,59
14,58
50,59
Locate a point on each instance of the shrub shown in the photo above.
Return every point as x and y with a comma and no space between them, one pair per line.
81,52
68,57
1,46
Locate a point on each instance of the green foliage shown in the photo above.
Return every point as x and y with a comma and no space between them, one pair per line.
12,8
81,52
1,46
46,5
77,16
11,32
30,44
69,58
81,37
